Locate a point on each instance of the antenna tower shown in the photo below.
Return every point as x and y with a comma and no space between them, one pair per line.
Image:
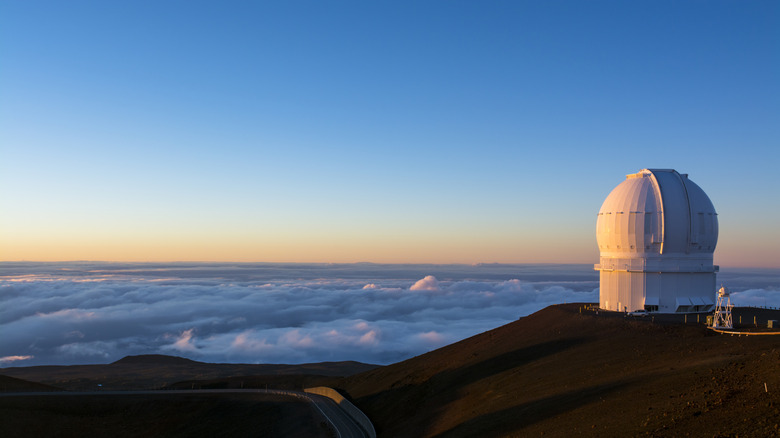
722,318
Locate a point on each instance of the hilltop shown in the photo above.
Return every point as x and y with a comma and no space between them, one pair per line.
156,359
559,372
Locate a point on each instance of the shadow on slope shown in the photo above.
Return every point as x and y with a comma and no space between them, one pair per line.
564,371
507,421
506,361
416,393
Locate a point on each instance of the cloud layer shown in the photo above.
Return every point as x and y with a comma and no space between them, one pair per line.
55,316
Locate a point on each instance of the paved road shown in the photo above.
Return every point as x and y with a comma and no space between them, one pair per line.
343,424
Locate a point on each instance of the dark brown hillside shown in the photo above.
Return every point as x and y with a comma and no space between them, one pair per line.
158,371
561,373
157,359
11,384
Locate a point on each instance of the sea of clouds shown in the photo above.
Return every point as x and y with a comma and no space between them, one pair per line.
75,313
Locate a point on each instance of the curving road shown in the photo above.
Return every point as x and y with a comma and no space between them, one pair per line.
342,423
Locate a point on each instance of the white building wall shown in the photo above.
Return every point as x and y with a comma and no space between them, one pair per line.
621,291
670,291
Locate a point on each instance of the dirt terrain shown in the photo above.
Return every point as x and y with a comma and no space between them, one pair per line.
560,372
563,371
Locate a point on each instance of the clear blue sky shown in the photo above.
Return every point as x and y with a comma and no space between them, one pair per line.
434,131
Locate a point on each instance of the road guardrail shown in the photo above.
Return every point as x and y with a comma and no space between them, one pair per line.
356,414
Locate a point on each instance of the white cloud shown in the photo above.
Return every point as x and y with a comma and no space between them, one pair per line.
98,349
362,325
281,313
68,314
429,283
432,337
295,339
184,342
9,359
756,298
369,338
245,342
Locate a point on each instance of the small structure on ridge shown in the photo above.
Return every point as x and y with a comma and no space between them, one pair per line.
722,319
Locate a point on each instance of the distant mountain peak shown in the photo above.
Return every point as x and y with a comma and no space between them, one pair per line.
155,359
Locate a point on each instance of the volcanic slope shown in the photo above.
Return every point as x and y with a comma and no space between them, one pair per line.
560,372
158,371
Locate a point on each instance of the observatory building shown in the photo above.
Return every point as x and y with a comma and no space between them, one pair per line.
657,232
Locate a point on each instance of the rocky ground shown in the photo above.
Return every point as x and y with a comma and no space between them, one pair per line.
563,371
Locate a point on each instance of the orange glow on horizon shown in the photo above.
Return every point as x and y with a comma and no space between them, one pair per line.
303,249
446,246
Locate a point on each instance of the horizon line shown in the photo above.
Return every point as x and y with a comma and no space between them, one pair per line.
339,263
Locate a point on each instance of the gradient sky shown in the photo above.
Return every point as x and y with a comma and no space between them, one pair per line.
345,131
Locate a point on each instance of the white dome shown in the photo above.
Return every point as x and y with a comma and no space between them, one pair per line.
655,212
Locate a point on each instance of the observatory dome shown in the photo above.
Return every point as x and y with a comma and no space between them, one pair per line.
657,233
657,211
